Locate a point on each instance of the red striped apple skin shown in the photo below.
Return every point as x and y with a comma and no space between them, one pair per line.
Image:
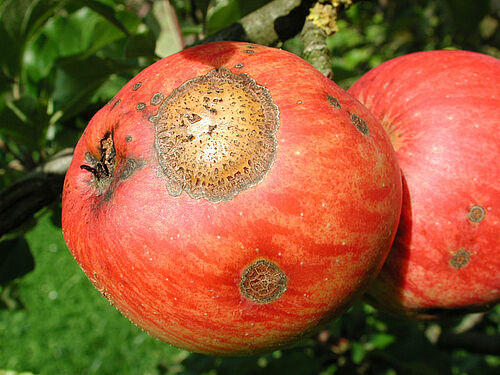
442,111
321,219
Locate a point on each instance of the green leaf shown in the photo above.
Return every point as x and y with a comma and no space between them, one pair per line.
107,12
25,121
16,259
382,340
221,15
21,19
140,45
77,80
358,352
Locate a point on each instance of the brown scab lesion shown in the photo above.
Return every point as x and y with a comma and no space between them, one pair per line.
334,102
359,123
460,259
476,214
131,166
157,98
263,281
136,86
116,103
140,106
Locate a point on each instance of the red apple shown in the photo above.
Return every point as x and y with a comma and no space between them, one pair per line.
442,112
230,199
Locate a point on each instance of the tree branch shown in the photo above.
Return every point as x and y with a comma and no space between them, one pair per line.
20,200
276,21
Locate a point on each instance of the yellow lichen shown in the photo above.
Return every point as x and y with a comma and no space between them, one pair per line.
324,15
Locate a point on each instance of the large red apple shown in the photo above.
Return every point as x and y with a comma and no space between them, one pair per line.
442,112
230,199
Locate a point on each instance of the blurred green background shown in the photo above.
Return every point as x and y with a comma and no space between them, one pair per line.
60,61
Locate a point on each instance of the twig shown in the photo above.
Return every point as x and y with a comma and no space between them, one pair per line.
315,49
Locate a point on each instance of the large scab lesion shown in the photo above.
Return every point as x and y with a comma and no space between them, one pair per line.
263,281
216,135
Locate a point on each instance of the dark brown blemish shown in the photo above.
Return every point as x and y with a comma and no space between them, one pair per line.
476,214
263,281
130,167
116,103
140,106
460,259
334,102
359,123
157,98
128,138
137,86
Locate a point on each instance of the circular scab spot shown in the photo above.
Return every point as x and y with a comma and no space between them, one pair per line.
128,138
249,51
239,65
216,135
263,281
359,123
137,86
476,214
460,259
157,98
334,102
140,106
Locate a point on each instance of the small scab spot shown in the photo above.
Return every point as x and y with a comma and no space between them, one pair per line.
157,98
116,103
128,138
249,51
263,281
137,86
239,65
140,106
460,259
476,214
359,123
299,101
334,102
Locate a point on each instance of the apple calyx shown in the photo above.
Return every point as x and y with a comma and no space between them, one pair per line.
102,168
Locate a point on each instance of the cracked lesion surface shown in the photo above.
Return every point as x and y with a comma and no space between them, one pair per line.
216,135
263,281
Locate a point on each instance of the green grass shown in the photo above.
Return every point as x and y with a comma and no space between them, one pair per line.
67,327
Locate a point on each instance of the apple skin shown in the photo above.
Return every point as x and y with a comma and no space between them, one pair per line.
442,112
325,214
